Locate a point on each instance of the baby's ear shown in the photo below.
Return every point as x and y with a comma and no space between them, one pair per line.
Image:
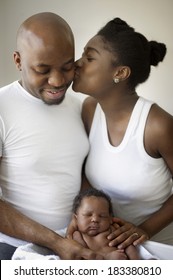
74,216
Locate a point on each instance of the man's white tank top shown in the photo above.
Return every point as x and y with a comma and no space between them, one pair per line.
137,183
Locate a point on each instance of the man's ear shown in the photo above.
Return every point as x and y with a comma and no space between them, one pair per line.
122,73
17,60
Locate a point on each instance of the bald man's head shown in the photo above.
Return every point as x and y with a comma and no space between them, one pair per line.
46,27
45,56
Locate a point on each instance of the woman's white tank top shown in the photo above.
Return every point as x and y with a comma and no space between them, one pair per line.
137,183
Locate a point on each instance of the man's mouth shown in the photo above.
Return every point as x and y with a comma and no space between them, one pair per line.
56,93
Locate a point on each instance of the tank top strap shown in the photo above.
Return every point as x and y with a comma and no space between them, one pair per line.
95,120
142,123
146,106
136,123
137,120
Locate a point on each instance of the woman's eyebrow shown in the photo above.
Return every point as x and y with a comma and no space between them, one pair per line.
91,49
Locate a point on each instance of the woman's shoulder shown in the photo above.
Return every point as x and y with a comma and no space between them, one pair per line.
159,119
159,130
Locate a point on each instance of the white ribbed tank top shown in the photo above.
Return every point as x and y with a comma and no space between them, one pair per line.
137,183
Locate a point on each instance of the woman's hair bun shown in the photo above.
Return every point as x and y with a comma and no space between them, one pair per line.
157,52
123,24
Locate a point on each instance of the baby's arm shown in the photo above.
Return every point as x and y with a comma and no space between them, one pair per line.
132,253
77,236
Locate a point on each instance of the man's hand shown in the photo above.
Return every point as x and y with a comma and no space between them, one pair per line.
72,250
126,234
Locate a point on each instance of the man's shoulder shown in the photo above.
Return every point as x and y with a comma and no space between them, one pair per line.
8,85
74,97
74,101
7,88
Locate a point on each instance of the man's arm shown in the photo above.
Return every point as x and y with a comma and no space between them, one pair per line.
15,224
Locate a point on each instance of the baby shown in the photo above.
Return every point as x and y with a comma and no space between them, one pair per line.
93,213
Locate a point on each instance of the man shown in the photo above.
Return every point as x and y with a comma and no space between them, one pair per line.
42,141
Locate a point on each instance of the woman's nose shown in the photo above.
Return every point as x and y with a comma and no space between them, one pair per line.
78,63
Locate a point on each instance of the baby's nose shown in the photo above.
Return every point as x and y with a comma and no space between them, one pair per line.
94,218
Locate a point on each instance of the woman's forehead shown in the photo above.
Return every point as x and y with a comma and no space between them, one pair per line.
95,41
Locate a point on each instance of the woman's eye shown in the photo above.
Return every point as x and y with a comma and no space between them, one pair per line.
90,58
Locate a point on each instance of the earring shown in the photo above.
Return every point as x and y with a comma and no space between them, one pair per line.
116,80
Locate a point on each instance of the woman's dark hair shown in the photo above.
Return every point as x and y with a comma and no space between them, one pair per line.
88,193
132,49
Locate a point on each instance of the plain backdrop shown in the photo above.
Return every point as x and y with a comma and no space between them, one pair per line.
153,18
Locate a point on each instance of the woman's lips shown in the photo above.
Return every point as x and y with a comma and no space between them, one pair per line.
76,75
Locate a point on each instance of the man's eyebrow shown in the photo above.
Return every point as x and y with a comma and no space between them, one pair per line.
71,60
41,65
91,49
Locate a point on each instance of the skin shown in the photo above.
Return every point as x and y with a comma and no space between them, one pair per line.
45,55
94,224
94,76
93,216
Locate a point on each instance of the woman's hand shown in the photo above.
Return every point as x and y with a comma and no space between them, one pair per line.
126,234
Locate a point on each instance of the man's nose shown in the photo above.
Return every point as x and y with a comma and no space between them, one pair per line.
56,79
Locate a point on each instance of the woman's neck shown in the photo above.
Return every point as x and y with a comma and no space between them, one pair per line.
117,105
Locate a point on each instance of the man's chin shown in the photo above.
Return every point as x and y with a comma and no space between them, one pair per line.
53,101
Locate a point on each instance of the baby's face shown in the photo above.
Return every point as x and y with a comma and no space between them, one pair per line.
93,215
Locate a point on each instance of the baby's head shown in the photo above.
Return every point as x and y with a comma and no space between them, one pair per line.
93,211
88,193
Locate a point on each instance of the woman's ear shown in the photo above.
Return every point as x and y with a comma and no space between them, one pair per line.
121,73
17,60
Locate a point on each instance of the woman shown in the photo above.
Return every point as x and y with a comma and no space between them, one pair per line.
131,138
